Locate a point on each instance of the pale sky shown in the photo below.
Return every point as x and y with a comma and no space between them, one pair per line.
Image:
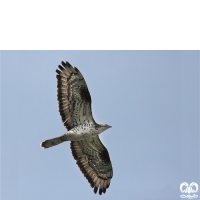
150,98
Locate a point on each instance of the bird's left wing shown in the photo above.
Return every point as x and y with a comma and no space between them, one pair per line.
94,162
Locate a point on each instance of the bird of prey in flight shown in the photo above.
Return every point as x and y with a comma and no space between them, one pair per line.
83,132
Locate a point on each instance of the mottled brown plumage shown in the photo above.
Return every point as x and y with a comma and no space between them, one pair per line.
94,162
73,97
74,102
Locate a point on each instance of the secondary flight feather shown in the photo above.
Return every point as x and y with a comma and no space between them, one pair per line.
75,109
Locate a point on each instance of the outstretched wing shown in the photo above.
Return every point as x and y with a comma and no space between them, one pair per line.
94,162
73,97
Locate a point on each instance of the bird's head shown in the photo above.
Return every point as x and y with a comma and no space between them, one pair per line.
103,127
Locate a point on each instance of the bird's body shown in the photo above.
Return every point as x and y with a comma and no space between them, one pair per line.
76,113
80,132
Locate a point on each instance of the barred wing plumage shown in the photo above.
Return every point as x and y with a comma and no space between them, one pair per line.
75,109
94,162
73,97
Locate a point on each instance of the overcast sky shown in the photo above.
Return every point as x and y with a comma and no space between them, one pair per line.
150,98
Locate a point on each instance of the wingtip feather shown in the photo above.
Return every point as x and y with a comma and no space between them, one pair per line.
63,63
95,189
100,191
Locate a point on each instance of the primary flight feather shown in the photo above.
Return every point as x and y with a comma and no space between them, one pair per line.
90,154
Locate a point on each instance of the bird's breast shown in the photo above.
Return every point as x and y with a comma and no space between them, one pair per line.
82,131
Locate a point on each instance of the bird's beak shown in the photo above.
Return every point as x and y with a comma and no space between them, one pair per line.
109,126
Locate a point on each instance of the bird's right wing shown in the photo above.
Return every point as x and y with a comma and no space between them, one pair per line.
73,97
94,162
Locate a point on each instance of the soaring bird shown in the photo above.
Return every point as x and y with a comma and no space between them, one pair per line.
74,102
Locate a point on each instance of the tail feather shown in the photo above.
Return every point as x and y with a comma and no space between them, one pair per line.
52,142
